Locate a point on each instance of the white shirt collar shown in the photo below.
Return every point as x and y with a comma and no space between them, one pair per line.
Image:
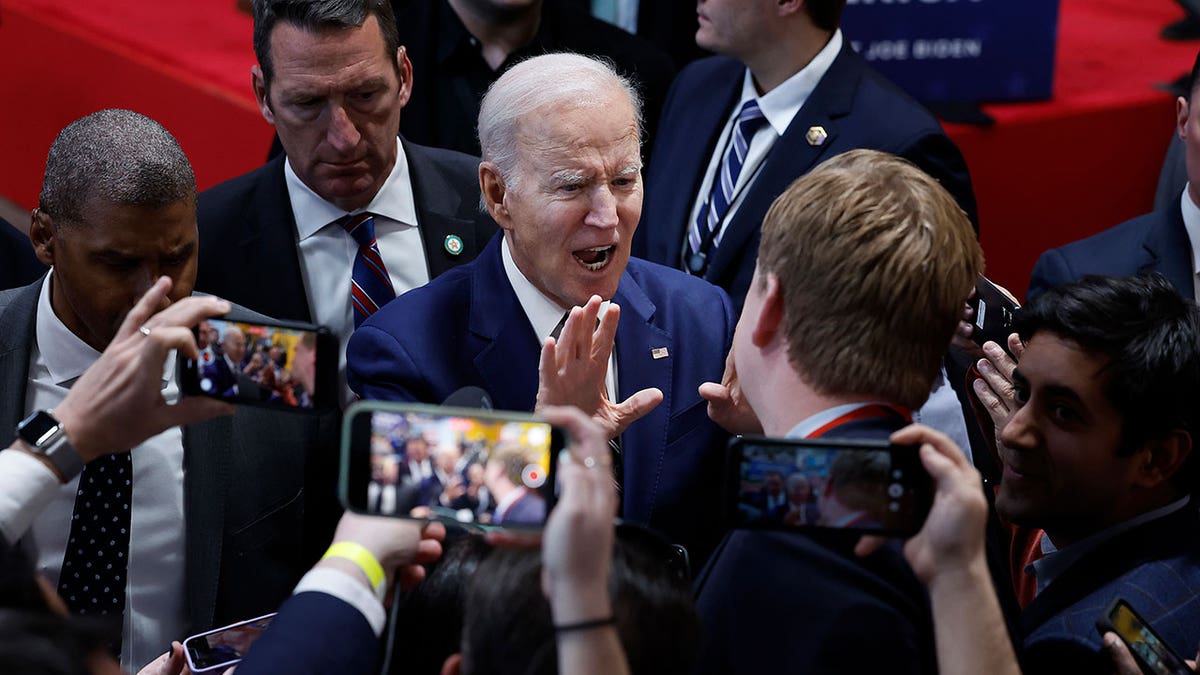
543,313
810,424
64,354
1191,223
509,499
782,103
394,200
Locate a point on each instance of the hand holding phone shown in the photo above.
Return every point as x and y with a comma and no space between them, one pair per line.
866,486
1152,655
217,650
994,310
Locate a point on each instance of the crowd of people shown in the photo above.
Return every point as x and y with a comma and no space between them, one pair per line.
796,263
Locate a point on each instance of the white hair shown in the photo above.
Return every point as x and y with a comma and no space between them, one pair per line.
537,82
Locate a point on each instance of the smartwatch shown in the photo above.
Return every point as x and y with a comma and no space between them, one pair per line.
46,436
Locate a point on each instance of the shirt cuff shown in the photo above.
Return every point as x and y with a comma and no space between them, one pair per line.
27,486
348,589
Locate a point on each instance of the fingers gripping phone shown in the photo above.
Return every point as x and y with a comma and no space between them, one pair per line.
994,310
282,365
476,469
1153,655
866,486
217,650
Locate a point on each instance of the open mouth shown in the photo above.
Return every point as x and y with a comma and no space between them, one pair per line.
595,258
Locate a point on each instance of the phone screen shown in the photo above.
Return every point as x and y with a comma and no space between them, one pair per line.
452,465
1155,657
224,646
262,364
867,486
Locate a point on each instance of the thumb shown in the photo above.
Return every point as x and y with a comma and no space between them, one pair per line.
637,406
714,392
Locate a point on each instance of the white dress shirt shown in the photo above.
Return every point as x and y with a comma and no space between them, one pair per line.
154,602
327,253
1191,223
779,107
544,313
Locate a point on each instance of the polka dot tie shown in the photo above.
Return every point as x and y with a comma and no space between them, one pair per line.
94,571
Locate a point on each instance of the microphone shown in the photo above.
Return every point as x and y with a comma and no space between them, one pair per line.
469,397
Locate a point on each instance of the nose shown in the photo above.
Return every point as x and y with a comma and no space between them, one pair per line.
602,211
342,134
1019,430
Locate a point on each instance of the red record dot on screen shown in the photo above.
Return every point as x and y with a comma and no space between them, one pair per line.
533,476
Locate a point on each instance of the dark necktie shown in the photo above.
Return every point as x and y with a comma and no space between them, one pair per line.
370,285
96,562
704,234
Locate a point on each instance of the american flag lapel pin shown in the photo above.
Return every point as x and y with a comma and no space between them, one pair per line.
659,353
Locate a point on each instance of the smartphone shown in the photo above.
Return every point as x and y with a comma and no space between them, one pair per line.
994,309
1153,655
865,486
477,469
217,650
282,365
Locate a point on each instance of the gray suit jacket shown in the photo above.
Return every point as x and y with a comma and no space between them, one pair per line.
244,487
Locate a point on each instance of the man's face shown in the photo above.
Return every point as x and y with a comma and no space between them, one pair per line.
1059,447
799,491
335,100
733,27
417,450
234,345
303,366
204,335
773,485
571,217
104,265
1187,123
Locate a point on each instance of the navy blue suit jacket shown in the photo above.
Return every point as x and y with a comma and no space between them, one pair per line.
467,328
804,603
1155,567
1155,242
857,107
248,248
314,633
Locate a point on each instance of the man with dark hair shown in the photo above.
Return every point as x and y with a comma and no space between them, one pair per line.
1164,241
118,211
351,215
836,341
1098,454
786,92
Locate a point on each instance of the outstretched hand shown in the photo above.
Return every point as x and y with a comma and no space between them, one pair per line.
572,370
994,388
727,405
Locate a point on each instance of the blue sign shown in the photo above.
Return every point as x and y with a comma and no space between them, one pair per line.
958,50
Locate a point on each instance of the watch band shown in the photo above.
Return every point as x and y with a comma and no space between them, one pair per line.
46,436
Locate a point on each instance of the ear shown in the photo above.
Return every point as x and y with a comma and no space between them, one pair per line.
405,73
43,236
785,7
259,84
1159,460
493,189
453,665
770,316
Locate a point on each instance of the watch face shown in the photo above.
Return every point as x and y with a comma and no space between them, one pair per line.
37,428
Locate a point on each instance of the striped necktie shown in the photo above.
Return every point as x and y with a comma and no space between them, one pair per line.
701,235
370,285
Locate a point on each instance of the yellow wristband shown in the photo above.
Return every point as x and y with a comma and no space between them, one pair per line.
359,555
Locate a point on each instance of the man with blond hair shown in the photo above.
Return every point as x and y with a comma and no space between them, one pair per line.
861,275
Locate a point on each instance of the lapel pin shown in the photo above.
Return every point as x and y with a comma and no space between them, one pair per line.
816,136
453,244
659,353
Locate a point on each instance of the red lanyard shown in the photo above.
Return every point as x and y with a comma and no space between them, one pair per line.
874,410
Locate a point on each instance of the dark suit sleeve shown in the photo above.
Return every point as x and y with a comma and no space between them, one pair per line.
378,367
314,633
937,156
1052,269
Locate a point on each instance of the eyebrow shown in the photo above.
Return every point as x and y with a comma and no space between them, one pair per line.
631,169
569,177
1056,390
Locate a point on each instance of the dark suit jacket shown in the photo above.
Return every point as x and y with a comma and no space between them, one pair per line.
855,105
248,248
806,604
467,328
529,509
246,542
18,264
314,633
1155,242
1155,567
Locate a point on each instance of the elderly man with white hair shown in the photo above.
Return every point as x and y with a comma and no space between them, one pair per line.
561,175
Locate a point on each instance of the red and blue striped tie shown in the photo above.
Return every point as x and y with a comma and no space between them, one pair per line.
370,285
